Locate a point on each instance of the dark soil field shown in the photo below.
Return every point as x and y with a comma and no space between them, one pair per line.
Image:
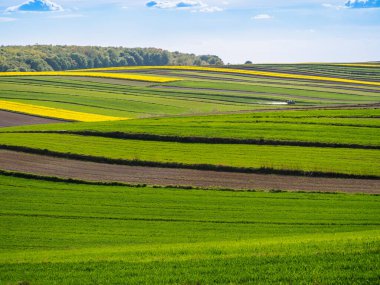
10,119
90,171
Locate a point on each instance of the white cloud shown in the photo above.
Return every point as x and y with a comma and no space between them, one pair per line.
332,6
36,6
170,4
357,4
67,16
328,5
262,17
6,19
210,9
192,5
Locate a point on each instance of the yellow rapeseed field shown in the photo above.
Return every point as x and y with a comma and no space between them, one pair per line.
55,113
148,78
359,65
247,72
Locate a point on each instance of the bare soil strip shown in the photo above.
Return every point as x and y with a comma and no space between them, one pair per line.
101,172
11,119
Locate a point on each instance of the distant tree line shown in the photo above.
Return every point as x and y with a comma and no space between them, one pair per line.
51,58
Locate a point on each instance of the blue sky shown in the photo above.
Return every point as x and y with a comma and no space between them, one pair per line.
240,30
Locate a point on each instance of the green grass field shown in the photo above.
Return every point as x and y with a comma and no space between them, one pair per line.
57,232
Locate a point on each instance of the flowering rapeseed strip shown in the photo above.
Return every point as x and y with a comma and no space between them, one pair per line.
55,113
148,78
358,65
247,72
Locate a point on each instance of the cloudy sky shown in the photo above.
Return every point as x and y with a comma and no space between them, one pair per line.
236,30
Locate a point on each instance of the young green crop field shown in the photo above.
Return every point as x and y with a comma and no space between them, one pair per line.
57,231
62,233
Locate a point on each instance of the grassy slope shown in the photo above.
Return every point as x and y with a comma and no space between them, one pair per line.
104,234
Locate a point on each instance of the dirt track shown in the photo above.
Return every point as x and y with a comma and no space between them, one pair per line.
9,119
90,171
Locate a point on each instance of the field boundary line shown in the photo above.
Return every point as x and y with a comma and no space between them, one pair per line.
176,220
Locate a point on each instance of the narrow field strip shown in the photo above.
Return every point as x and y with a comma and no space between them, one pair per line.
246,72
206,140
359,65
55,112
147,78
11,119
101,172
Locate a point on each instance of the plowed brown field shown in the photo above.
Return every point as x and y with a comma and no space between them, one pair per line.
10,119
